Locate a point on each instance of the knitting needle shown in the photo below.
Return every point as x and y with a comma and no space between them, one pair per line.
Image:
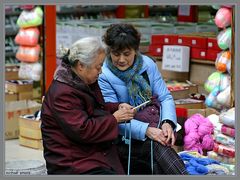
140,105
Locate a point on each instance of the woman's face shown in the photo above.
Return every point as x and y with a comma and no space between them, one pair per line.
89,74
123,60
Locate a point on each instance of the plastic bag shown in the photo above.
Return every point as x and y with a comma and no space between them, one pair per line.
223,62
224,39
27,36
30,18
30,71
28,54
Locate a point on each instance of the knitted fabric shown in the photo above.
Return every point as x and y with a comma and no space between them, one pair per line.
138,88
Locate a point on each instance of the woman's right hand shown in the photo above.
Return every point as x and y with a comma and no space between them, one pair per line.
156,134
123,114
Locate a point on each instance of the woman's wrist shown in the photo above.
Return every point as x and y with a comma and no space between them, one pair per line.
169,122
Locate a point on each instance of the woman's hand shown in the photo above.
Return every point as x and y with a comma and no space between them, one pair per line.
156,134
168,133
123,114
125,106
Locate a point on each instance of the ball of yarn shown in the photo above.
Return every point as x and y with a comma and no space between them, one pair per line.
223,17
190,126
191,140
207,142
192,123
206,127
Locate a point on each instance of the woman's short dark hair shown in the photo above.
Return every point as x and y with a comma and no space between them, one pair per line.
122,36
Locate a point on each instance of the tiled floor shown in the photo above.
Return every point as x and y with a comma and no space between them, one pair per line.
14,151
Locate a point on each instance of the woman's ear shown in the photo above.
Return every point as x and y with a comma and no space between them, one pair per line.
80,66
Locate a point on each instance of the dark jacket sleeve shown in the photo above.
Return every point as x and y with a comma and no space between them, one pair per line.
71,112
111,107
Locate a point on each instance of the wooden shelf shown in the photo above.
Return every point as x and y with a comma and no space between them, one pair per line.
199,61
203,61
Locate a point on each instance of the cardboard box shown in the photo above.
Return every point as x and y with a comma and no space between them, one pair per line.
172,75
193,41
200,72
14,87
11,97
32,143
166,39
183,40
197,53
205,112
176,58
189,103
25,95
30,133
181,94
13,110
29,127
155,49
11,72
212,54
212,44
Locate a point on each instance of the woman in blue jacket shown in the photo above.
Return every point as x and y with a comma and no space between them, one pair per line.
130,77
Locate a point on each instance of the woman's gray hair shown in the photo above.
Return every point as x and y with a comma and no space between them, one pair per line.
84,50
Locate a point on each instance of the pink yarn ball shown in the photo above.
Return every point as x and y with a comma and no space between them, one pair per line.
190,126
191,140
206,127
192,123
197,119
207,142
223,17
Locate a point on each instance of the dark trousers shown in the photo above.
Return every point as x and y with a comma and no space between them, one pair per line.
165,159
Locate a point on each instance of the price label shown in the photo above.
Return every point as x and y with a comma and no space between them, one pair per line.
175,58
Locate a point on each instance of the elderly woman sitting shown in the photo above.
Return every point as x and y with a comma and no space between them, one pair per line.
78,129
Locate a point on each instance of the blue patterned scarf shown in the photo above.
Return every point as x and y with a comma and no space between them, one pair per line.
138,88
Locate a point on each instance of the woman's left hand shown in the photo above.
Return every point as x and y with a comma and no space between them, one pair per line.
168,133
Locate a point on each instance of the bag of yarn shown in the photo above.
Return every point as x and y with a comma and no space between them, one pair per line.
30,71
30,18
223,17
28,53
224,38
223,62
217,79
27,36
